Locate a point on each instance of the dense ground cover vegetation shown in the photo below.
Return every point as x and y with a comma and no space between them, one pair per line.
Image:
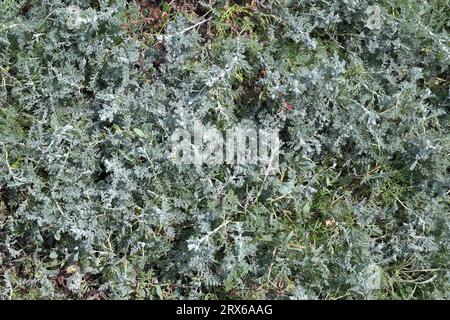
91,207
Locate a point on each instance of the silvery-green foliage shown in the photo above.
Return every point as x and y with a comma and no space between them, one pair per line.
358,209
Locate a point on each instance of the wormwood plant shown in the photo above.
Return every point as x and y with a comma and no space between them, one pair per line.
92,207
